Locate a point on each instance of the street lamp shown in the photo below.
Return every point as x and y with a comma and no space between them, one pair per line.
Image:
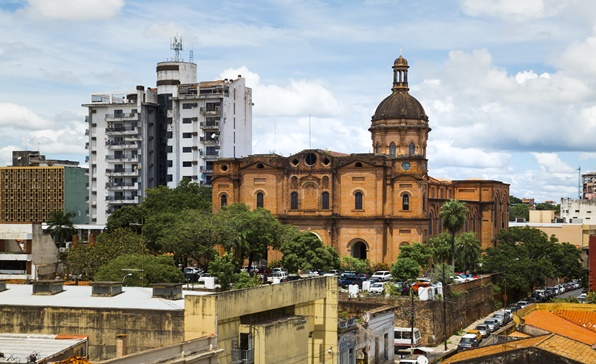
128,275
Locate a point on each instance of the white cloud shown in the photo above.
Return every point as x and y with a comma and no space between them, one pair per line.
12,115
513,9
552,164
73,10
573,60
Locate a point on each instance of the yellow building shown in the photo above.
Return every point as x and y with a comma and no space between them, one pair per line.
364,205
292,322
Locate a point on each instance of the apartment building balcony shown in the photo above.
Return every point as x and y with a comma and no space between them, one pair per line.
240,356
122,186
210,112
210,141
122,158
204,169
123,130
209,156
133,116
122,173
114,145
122,200
206,125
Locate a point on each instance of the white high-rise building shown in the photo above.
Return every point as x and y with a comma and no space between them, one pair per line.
146,138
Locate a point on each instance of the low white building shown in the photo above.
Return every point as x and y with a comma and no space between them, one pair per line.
578,211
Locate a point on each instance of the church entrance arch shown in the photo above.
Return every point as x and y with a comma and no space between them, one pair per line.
358,249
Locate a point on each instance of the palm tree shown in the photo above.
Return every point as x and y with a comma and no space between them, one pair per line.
453,213
60,226
469,249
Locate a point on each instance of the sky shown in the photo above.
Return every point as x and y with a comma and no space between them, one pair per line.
509,85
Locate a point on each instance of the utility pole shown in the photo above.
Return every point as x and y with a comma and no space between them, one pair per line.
444,307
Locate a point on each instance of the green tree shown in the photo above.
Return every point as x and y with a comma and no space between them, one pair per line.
223,267
441,248
307,251
189,235
352,264
186,196
514,200
405,269
454,214
127,217
468,249
86,259
143,270
442,272
60,226
244,280
525,256
519,211
421,253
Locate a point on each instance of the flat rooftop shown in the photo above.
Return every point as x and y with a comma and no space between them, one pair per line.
80,296
18,347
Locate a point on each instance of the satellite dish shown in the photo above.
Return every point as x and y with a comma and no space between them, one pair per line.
422,359
213,136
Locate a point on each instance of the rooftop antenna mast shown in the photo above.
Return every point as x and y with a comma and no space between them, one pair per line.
579,182
176,46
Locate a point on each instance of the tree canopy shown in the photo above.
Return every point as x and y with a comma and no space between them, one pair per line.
143,270
352,264
420,253
405,269
527,256
307,251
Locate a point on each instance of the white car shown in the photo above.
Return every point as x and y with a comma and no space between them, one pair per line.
382,275
377,288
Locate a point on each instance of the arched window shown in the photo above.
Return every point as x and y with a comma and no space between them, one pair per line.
325,201
405,202
430,223
294,201
223,200
392,149
358,200
424,202
411,148
378,148
260,199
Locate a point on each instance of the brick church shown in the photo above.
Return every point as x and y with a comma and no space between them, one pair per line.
364,205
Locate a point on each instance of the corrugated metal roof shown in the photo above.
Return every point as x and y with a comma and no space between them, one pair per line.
553,323
80,296
18,347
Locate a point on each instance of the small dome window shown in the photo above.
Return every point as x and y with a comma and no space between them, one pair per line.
260,165
358,165
310,159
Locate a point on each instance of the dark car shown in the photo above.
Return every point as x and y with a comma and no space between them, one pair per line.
468,341
344,282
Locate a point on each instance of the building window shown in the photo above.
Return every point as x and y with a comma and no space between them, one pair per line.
405,202
430,223
378,148
170,163
187,135
169,135
294,201
224,200
325,201
392,149
186,164
189,105
358,200
169,178
260,199
169,149
411,148
186,120
186,149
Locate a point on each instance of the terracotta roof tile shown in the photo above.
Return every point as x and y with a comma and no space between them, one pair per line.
569,348
555,324
585,319
495,349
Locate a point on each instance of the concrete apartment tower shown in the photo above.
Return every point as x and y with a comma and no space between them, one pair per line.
160,136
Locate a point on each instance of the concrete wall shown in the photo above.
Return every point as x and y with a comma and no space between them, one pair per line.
44,254
220,314
542,216
145,329
282,341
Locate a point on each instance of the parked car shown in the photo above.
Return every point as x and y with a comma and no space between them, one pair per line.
484,330
500,318
377,288
582,298
468,341
493,324
382,275
506,314
522,304
344,282
476,333
539,294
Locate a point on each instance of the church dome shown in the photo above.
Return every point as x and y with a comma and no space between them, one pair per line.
400,104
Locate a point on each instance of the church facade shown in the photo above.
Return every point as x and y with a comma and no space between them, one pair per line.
364,205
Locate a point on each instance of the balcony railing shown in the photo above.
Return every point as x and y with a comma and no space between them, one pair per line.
122,173
243,356
210,111
122,199
209,125
132,130
122,116
122,158
122,186
112,144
